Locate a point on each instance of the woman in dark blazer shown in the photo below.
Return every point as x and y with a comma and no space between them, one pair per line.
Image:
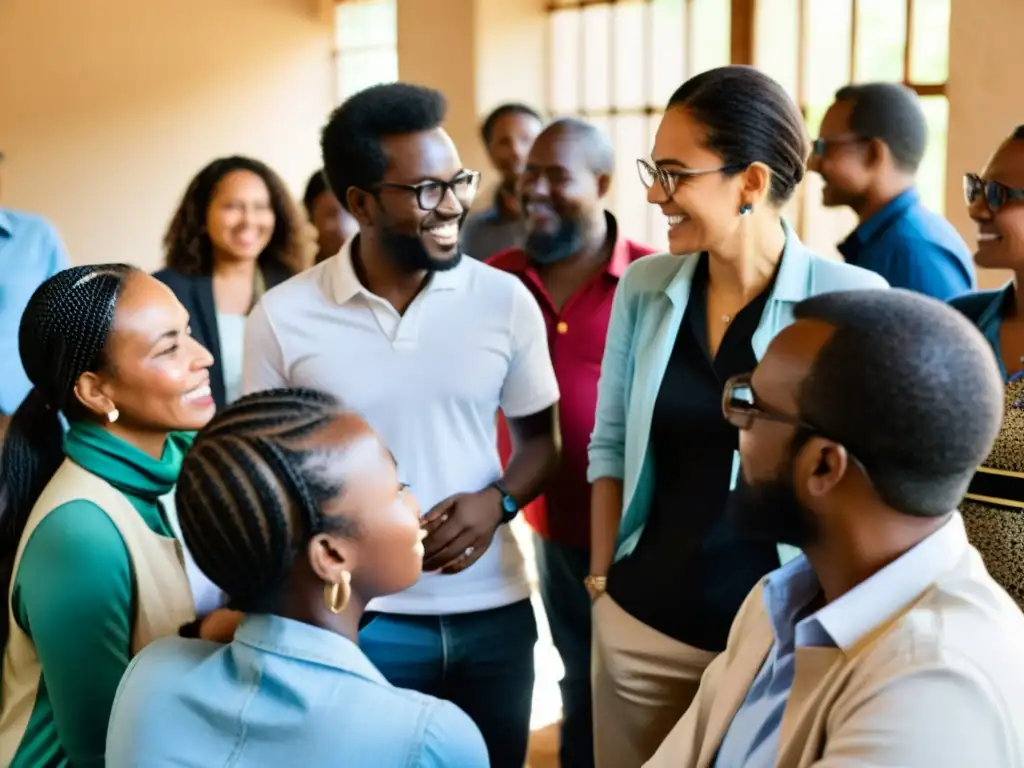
235,234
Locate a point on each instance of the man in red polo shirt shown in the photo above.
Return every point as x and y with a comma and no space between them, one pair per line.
571,262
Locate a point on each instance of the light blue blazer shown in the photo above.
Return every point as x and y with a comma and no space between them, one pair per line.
649,305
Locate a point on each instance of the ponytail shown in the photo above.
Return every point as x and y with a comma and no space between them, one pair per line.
63,334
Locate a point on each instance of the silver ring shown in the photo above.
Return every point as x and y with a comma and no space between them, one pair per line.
444,518
468,551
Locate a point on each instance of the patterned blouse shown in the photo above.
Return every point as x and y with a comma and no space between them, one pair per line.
993,510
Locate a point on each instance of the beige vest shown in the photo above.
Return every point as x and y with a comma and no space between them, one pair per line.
163,599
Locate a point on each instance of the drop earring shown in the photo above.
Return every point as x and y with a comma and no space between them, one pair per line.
112,415
745,209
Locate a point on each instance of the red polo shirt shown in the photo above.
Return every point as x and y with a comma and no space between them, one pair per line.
576,337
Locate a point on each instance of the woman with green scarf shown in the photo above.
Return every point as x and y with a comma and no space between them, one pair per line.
89,558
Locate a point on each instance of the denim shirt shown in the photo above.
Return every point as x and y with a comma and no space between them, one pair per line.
31,252
649,305
283,693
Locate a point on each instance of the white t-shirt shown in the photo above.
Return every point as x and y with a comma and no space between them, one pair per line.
430,382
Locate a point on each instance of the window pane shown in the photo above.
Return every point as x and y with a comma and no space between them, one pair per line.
709,35
931,176
630,51
564,61
597,57
657,227
368,24
929,42
667,60
776,40
827,49
881,39
362,68
627,199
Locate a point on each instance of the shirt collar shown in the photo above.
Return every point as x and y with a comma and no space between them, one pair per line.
877,600
294,639
341,284
6,225
883,217
998,305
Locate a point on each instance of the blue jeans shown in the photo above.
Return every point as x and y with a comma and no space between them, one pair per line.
562,570
482,662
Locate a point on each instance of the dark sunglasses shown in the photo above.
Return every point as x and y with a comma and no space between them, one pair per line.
429,194
996,195
741,409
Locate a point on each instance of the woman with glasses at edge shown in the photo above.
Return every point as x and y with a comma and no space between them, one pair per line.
294,508
667,572
993,509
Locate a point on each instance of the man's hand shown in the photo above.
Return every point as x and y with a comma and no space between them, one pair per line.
460,529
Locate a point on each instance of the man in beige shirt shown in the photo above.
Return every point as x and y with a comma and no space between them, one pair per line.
886,643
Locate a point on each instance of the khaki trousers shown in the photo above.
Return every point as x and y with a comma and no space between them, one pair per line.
643,682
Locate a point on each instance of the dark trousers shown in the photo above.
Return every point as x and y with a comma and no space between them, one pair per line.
561,571
482,662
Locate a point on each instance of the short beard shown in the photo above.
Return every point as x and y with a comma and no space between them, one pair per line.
769,510
408,253
545,248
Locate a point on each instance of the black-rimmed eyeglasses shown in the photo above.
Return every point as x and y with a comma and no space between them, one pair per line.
430,194
650,174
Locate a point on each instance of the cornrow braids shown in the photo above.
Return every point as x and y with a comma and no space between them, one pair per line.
249,495
63,334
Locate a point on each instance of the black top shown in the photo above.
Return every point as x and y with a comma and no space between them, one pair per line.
690,572
195,292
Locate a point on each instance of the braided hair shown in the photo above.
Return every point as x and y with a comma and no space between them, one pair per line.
187,244
63,334
249,495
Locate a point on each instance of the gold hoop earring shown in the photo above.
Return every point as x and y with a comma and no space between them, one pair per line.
113,415
337,594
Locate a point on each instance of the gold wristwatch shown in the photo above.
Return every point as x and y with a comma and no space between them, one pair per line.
595,585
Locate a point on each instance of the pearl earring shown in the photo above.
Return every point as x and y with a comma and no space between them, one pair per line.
112,415
745,209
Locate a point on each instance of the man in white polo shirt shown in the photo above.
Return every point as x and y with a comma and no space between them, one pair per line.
427,346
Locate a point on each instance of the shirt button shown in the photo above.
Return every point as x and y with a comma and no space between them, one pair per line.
562,327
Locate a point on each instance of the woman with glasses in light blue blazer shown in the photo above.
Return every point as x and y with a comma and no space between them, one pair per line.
668,573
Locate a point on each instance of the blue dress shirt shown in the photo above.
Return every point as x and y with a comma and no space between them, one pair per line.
912,248
31,251
986,309
283,693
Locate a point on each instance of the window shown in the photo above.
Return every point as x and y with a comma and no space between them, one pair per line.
813,48
365,45
615,63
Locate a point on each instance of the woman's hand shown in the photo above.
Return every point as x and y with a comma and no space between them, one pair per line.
220,625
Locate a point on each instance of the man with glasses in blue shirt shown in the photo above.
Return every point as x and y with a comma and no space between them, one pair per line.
870,146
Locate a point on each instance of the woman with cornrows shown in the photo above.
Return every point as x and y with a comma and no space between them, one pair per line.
312,523
236,234
89,562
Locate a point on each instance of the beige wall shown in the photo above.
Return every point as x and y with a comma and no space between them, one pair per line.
985,97
107,107
479,53
104,122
